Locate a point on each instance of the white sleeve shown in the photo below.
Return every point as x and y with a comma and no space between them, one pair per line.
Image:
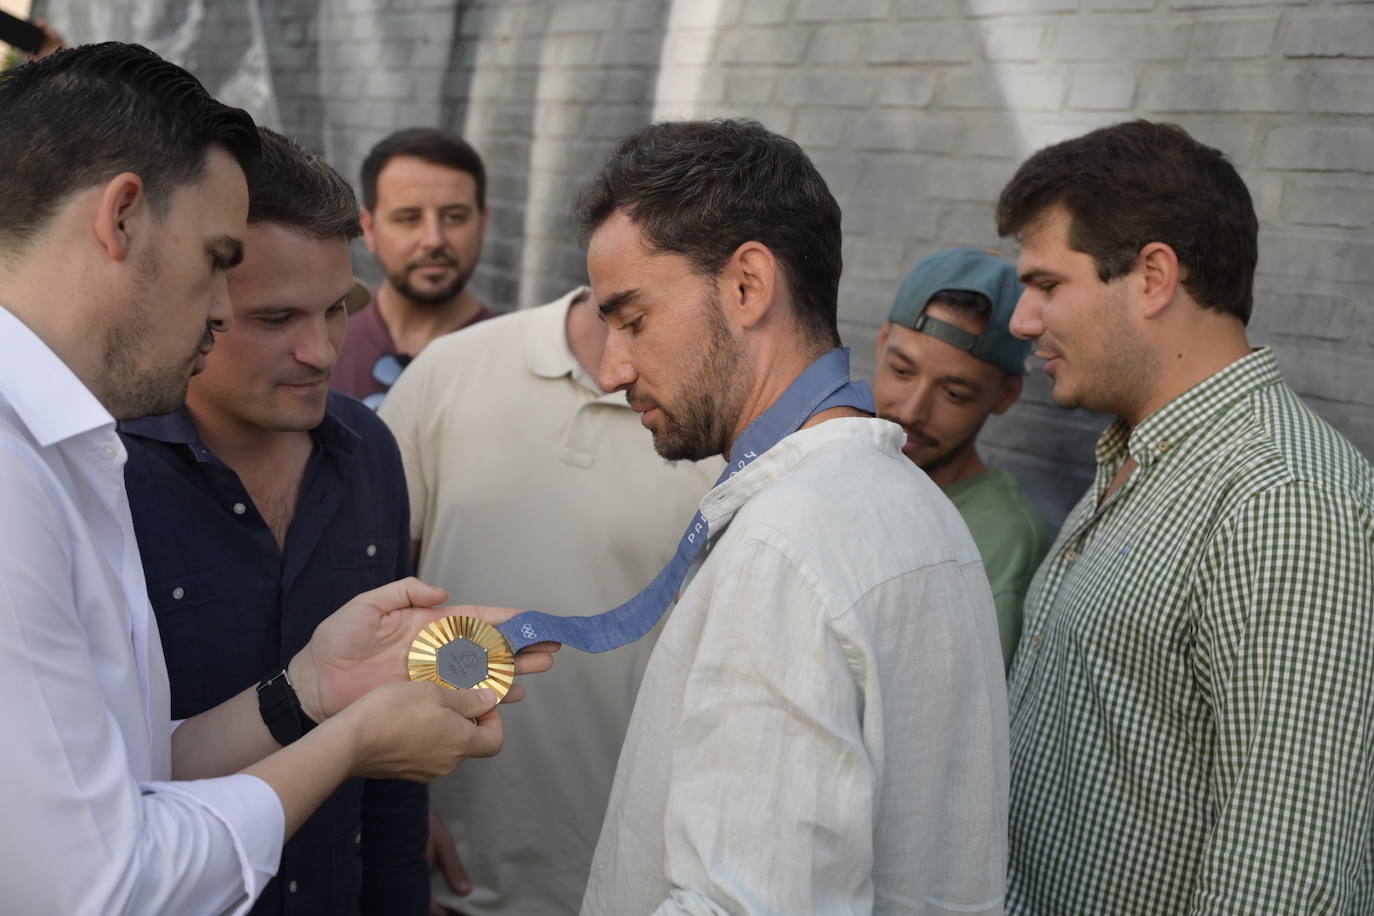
770,806
79,834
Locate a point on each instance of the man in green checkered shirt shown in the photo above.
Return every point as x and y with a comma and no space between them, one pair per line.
1192,702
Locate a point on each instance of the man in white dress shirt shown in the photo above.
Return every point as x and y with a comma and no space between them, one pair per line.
822,725
123,202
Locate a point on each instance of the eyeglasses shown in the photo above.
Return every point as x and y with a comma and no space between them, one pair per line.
386,371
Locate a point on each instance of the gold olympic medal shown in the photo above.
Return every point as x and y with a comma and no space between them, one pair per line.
463,652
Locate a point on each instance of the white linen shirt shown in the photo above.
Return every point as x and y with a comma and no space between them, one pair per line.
90,825
532,487
822,727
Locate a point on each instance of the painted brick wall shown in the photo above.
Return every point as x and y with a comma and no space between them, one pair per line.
916,111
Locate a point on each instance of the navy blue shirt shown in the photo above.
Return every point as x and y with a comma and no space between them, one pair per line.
233,608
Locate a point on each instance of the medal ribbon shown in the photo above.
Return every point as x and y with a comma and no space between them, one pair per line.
824,384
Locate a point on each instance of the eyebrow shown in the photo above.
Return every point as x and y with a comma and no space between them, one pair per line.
443,208
1038,273
943,379
228,249
617,301
274,308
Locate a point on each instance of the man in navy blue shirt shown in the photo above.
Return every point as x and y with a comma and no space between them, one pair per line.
265,503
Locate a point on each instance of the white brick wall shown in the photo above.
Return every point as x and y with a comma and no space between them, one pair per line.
915,110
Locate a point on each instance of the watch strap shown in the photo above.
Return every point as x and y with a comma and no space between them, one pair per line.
281,709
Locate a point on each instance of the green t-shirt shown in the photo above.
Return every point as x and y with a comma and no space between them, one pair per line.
1011,538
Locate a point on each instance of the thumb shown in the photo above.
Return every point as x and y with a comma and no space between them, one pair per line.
405,593
470,704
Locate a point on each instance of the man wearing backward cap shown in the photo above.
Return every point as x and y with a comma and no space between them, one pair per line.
946,361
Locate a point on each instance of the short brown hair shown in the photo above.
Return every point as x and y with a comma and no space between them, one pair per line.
701,189
295,188
1138,182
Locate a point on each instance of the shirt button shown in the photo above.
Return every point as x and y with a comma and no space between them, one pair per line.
371,550
1163,446
1035,641
178,593
109,452
240,508
358,838
291,886
1070,555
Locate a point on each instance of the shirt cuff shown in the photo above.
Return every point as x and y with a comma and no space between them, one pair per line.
253,815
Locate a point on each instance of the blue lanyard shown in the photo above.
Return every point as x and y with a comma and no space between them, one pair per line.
824,384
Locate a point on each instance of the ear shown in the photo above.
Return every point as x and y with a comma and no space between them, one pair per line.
882,342
750,283
122,215
485,218
1159,278
1010,392
365,218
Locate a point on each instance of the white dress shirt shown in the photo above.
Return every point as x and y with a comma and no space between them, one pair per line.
822,727
90,824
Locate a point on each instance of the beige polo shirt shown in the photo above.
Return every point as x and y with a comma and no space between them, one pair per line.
531,488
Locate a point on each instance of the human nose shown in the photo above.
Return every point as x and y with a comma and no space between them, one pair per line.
1026,320
431,232
315,346
221,314
914,405
616,370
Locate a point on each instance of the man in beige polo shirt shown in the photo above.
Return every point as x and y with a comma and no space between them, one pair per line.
531,487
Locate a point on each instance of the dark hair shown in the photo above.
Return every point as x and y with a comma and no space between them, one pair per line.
967,302
703,188
432,146
296,188
1138,182
81,116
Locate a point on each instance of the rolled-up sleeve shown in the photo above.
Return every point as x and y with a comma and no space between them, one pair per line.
82,832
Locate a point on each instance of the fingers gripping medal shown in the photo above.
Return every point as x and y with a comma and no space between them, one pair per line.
463,652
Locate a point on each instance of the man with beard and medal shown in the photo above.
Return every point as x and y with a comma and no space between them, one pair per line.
946,361
821,727
424,215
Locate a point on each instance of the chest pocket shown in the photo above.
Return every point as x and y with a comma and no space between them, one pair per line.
359,564
210,644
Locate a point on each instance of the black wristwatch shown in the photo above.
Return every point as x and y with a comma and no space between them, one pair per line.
281,709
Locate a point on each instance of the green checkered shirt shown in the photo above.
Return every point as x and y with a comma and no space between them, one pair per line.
1192,702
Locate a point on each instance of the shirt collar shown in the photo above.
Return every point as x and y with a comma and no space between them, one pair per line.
47,396
1169,426
719,506
547,353
177,428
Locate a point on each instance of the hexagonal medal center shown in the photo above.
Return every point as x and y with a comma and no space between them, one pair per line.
462,663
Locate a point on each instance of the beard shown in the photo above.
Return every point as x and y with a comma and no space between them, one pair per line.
132,387
400,281
944,458
701,421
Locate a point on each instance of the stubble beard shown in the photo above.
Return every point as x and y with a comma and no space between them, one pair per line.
442,295
132,388
700,426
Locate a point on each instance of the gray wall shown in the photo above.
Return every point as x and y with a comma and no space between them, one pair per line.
916,111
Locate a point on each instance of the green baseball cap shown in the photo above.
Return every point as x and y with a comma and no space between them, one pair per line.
972,270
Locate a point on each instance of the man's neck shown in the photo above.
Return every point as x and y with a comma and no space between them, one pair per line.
269,463
776,371
413,326
1184,363
243,446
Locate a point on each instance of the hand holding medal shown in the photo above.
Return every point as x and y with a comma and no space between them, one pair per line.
366,642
